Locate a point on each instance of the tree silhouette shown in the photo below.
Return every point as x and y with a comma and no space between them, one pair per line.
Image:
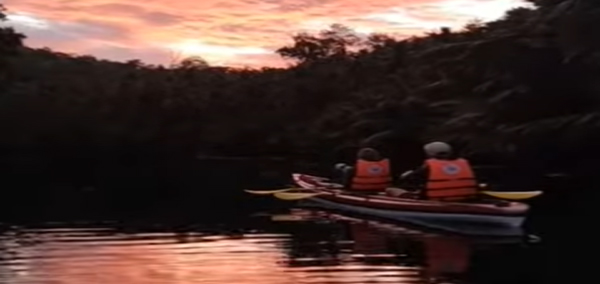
522,88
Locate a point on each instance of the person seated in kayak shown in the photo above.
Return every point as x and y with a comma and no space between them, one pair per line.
444,176
370,174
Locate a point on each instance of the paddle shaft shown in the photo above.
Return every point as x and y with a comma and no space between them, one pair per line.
496,194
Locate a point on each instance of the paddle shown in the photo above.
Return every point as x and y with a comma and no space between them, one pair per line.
509,195
285,194
266,192
295,195
513,195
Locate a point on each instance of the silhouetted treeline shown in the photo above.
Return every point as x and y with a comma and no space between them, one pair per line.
522,91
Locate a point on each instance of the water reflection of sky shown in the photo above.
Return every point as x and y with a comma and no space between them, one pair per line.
352,253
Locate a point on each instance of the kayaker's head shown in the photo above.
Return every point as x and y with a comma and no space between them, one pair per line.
438,150
369,154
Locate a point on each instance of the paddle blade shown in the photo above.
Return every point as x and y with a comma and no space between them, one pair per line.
267,192
294,195
287,217
513,195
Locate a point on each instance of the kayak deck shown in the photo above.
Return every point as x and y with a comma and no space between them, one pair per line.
406,204
425,206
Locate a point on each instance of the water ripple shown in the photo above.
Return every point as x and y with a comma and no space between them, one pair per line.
357,253
101,255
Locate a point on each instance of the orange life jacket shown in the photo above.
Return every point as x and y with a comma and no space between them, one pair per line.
372,176
450,180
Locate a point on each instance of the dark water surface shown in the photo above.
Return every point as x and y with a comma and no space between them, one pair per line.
295,248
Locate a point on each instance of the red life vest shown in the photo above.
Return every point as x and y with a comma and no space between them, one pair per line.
450,180
372,176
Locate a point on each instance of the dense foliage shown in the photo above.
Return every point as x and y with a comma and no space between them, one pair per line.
523,88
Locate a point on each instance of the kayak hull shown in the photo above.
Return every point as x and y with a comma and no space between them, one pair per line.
481,219
454,223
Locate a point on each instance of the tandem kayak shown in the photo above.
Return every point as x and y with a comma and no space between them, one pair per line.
488,218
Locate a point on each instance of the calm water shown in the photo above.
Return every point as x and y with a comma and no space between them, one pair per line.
296,248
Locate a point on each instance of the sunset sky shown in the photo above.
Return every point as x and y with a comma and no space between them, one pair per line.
224,32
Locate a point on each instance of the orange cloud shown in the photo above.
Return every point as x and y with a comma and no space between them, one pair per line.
228,32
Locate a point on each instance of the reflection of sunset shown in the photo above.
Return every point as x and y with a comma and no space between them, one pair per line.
76,257
156,259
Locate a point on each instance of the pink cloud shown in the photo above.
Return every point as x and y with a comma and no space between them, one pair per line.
225,31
